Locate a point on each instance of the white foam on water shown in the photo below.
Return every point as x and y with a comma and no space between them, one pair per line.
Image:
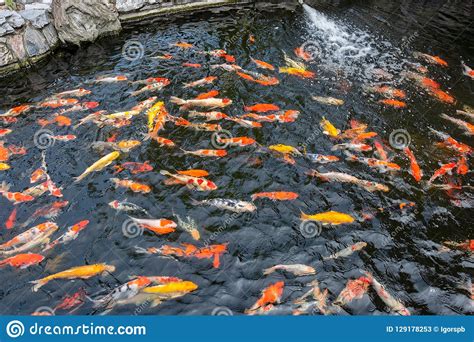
350,49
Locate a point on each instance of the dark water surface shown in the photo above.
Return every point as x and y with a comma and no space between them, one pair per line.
353,39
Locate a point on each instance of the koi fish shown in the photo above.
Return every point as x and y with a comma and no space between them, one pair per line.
123,292
301,53
134,186
74,93
345,178
16,111
210,103
276,196
467,70
73,301
206,80
320,300
353,147
209,116
58,103
14,197
270,295
194,173
197,126
261,108
155,86
347,251
431,59
329,129
389,92
4,153
183,45
364,136
207,153
134,168
4,166
157,226
50,211
68,137
451,143
10,222
262,64
380,151
354,289
208,252
208,95
22,260
235,206
299,72
467,245
82,272
469,128
60,120
165,56
112,79
391,302
227,67
469,114
393,103
415,170
123,145
79,107
297,269
237,141
442,96
200,184
192,65
382,166
328,218
189,226
328,100
444,169
71,234
99,165
126,206
285,149
260,79
462,167
4,132
172,287
246,123
321,159
252,39
31,238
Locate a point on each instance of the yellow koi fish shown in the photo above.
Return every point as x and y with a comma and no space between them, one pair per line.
99,165
170,288
83,272
285,149
330,217
329,129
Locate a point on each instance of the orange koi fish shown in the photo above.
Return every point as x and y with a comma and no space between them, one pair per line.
380,151
157,226
393,103
462,167
194,173
415,168
58,103
183,45
134,168
270,295
207,153
74,93
73,301
163,141
208,95
444,169
354,289
134,186
4,153
200,184
68,137
431,59
238,141
451,143
60,120
205,80
301,53
192,65
276,196
364,136
263,65
252,39
262,108
165,56
382,165
188,250
10,222
4,131
15,111
22,260
442,96
389,91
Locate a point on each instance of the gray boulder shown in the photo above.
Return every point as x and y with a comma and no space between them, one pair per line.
85,20
39,18
130,5
35,42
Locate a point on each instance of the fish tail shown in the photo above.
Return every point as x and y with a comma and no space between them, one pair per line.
166,173
4,186
195,202
304,217
141,250
192,114
177,100
269,270
79,178
38,284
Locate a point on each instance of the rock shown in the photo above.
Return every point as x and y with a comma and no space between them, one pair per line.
39,18
15,42
15,20
129,5
38,7
35,42
51,35
85,20
6,29
6,56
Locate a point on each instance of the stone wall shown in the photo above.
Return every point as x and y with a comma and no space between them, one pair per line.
34,28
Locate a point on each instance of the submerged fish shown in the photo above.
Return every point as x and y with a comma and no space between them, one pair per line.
329,129
276,196
99,165
157,226
71,234
466,126
296,269
200,184
134,186
415,171
391,302
210,103
328,100
328,218
347,251
270,295
228,204
22,260
345,178
82,272
354,289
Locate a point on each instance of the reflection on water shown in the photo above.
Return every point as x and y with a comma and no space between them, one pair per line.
360,44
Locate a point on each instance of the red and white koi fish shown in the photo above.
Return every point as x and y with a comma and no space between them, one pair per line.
382,166
50,212
198,183
58,103
144,105
74,93
296,269
467,70
156,86
245,123
354,289
33,237
134,168
208,116
391,302
15,111
207,153
431,59
71,234
321,159
134,186
206,80
14,197
444,169
157,226
112,79
4,132
271,295
468,127
237,141
347,251
353,147
451,143
210,103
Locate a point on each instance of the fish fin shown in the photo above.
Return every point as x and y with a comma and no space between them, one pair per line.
166,173
38,284
269,270
155,303
177,100
141,250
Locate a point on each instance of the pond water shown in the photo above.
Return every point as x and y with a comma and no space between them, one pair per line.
353,46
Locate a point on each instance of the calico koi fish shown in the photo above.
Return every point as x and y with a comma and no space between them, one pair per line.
235,206
123,292
200,184
71,234
345,178
207,153
134,186
22,260
82,272
209,116
210,103
297,269
328,218
321,159
415,170
347,251
206,80
276,196
99,165
354,289
270,295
